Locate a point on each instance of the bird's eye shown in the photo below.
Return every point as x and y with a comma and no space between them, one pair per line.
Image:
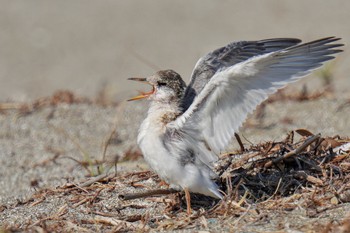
161,84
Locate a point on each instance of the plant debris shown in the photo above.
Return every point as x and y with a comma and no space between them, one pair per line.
287,168
59,97
312,174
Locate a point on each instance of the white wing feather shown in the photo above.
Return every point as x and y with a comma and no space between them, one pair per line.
222,106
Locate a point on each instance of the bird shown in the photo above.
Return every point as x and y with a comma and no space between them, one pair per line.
188,126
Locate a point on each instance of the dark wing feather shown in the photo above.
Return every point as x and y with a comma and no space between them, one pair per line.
227,56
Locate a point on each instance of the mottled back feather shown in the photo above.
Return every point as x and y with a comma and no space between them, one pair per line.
227,56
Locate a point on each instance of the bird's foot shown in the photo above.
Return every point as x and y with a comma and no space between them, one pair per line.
163,183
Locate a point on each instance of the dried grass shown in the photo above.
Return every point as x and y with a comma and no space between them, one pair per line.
315,176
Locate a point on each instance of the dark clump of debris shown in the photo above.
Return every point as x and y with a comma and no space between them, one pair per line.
287,167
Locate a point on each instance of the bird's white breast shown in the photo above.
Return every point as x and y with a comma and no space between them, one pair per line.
155,153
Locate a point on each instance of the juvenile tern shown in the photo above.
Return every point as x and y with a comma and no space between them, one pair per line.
188,126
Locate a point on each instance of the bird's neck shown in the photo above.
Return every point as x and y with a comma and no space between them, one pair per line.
164,112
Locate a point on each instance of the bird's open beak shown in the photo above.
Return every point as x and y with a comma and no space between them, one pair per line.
142,94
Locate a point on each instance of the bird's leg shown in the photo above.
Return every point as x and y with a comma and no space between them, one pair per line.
188,201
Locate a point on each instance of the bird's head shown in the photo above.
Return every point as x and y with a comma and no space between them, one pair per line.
167,85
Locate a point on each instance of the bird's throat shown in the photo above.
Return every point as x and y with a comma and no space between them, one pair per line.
164,113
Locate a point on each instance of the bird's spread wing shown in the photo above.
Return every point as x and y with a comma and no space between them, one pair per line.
231,94
228,56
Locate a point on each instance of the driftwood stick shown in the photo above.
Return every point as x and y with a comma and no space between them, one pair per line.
310,140
93,180
96,178
239,142
131,196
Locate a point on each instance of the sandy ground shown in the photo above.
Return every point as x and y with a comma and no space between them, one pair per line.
86,45
91,47
46,149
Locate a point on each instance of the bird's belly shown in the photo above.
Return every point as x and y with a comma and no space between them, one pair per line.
157,157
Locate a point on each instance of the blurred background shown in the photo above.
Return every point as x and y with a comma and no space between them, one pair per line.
87,46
